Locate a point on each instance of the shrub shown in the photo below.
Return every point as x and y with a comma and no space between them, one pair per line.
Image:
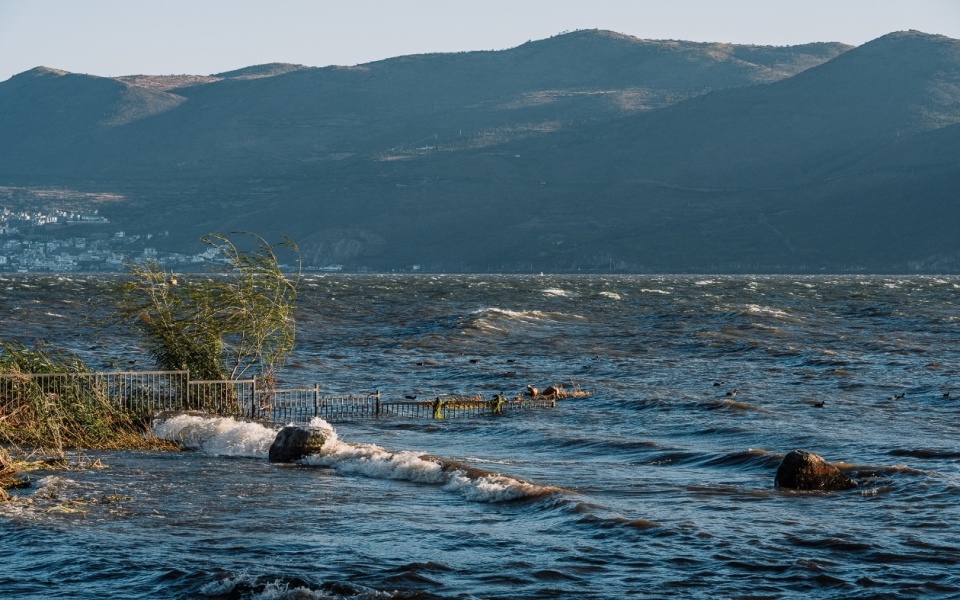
216,327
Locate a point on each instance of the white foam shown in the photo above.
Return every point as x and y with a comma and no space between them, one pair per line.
765,310
223,436
373,461
228,437
275,590
522,315
611,295
53,486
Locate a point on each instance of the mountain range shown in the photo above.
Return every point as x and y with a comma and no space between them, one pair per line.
589,151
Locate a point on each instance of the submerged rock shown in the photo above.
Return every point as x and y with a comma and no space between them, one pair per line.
19,481
802,470
294,442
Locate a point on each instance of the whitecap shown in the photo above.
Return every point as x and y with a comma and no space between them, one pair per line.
373,461
766,310
224,436
485,315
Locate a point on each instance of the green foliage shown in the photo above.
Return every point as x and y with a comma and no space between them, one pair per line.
221,326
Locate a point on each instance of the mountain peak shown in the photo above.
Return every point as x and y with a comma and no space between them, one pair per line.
42,71
258,71
910,37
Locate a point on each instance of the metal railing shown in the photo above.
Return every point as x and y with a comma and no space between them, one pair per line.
232,398
146,393
303,404
142,393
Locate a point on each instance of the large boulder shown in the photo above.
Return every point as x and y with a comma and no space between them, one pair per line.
802,470
294,442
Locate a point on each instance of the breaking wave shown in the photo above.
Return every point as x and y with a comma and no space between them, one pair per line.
373,461
226,436
222,436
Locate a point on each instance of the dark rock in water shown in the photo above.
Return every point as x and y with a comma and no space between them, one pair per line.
293,443
802,470
20,481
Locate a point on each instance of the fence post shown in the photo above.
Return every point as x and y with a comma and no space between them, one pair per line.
316,399
378,403
253,399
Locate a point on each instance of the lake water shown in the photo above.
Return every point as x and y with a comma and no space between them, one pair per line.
657,484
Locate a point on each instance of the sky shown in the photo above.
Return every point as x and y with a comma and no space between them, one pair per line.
202,37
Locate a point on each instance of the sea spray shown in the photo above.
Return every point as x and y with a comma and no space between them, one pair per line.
224,436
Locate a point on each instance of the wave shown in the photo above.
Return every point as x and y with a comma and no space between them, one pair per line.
523,315
926,453
756,309
500,319
223,436
469,482
226,436
279,587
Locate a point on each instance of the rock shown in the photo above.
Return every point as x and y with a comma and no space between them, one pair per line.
554,391
294,442
532,391
802,470
19,481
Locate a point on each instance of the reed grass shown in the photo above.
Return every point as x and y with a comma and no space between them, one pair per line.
39,420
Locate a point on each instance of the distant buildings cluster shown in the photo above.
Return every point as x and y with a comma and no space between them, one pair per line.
11,222
91,253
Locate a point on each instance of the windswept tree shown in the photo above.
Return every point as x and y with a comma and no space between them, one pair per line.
226,325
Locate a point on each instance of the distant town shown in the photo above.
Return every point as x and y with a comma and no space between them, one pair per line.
84,252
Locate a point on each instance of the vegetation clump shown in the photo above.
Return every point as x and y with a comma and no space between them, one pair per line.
217,327
71,410
51,414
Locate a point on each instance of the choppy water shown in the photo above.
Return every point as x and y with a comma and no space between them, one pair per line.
657,484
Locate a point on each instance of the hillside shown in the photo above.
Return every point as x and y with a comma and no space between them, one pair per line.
589,150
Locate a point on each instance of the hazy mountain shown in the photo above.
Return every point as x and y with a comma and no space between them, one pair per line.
586,150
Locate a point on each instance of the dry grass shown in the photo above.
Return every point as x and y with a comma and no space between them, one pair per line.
40,421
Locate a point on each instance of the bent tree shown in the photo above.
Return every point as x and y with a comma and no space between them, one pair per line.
227,325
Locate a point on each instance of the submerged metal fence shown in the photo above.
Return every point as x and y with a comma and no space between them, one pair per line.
302,404
146,393
232,398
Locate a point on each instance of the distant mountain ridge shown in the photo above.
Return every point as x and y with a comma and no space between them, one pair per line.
589,150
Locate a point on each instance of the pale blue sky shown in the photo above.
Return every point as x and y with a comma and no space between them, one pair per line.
125,37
